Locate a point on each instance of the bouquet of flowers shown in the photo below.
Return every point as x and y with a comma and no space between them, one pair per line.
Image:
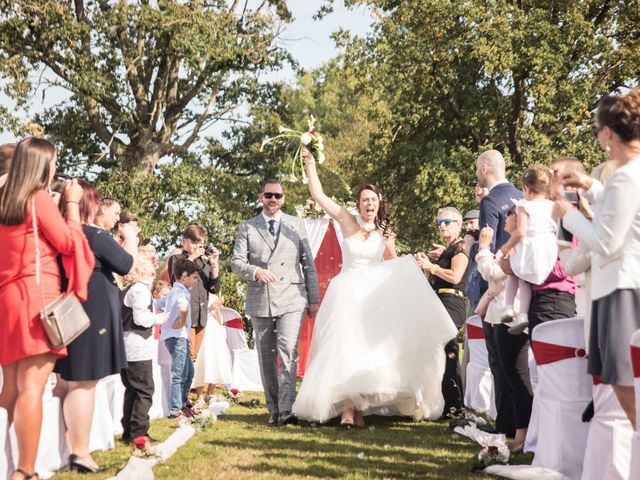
490,455
232,394
309,138
310,209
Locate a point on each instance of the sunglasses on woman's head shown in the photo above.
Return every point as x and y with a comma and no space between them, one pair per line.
62,176
446,221
270,195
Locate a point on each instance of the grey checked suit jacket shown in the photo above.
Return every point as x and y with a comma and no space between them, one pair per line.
288,256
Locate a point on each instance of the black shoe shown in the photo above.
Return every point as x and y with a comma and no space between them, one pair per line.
288,420
588,412
273,420
77,465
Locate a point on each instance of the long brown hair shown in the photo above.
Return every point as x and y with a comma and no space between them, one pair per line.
29,172
383,218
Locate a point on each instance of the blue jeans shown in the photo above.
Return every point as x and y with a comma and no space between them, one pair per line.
181,372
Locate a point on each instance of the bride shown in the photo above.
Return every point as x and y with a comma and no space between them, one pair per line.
379,336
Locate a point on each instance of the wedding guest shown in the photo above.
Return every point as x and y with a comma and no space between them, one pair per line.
159,291
614,240
448,277
99,351
471,220
175,334
554,299
108,213
494,206
193,239
138,321
26,357
513,350
532,247
126,217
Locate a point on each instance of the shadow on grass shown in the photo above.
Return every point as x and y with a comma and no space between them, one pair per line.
386,448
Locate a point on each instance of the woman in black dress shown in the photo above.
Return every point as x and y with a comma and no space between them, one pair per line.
99,351
448,276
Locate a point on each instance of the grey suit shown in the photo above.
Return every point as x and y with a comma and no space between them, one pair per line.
276,309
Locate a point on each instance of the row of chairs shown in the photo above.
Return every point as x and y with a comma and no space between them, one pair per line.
604,448
53,449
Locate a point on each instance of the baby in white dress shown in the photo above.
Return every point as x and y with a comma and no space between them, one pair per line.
534,245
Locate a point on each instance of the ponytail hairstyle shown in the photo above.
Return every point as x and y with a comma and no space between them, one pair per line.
383,218
29,171
621,114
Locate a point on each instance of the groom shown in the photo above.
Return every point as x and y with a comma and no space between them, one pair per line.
272,253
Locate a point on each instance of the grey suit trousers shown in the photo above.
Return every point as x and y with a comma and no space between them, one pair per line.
278,337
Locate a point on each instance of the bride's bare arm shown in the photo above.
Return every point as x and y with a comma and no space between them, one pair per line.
390,247
333,208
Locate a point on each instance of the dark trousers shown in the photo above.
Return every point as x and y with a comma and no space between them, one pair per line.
452,389
508,361
138,397
550,305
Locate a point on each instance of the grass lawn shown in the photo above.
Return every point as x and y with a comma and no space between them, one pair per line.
241,446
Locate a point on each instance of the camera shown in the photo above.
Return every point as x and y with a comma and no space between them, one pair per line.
571,196
210,250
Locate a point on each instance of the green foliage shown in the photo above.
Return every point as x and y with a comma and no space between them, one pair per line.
458,78
146,77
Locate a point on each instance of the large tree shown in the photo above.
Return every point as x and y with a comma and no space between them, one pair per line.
459,77
147,77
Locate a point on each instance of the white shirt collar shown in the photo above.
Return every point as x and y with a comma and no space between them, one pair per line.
504,180
277,218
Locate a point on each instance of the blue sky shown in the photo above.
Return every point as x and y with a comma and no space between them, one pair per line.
308,40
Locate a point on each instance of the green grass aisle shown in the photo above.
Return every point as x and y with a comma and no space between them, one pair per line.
241,446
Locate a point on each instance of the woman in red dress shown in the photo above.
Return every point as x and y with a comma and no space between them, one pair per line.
25,355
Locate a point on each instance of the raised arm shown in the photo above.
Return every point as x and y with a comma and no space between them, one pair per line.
336,211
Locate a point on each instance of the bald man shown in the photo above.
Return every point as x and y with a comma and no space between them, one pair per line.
507,353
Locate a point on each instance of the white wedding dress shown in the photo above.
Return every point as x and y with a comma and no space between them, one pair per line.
378,339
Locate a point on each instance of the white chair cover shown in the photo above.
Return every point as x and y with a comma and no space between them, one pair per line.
564,390
115,397
478,393
213,363
161,381
245,368
635,444
609,442
531,440
102,434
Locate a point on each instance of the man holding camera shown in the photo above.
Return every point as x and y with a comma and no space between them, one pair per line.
206,260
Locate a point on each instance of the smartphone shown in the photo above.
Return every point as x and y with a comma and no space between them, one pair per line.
571,196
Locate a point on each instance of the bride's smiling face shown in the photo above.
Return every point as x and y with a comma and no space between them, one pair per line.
368,204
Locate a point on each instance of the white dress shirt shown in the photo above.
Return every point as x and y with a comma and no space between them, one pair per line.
614,235
138,298
276,218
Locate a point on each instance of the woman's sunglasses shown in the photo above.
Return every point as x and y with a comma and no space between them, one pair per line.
446,221
596,129
270,195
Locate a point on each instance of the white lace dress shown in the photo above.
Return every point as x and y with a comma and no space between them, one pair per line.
378,339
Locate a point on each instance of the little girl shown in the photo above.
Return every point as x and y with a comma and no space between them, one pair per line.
534,243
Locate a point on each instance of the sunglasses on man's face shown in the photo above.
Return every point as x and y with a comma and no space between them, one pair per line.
270,195
446,221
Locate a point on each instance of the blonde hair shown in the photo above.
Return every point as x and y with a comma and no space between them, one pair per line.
603,171
142,269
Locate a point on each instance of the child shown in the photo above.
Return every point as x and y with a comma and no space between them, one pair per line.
175,334
138,322
534,243
159,291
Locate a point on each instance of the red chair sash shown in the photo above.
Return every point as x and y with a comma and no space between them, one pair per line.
234,323
596,379
548,352
635,360
474,332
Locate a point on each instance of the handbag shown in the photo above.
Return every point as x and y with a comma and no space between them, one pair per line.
64,319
